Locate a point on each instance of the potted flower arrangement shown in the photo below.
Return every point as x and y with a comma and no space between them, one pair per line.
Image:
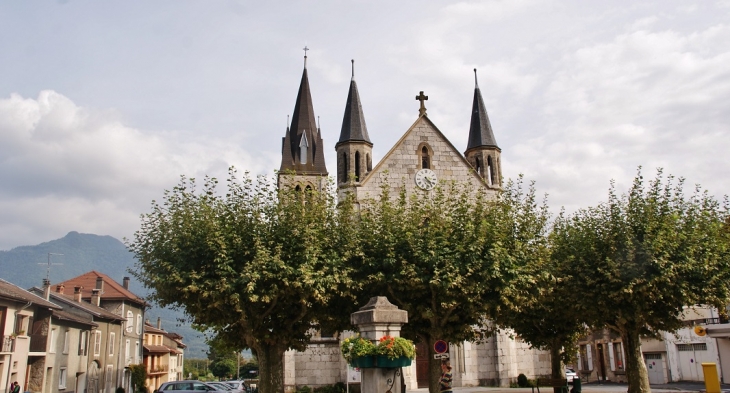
393,352
358,351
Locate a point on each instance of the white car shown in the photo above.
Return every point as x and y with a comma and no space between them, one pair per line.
570,374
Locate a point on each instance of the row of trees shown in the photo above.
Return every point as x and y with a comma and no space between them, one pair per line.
261,267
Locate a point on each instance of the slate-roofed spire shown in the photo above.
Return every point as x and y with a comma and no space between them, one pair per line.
353,123
302,146
480,130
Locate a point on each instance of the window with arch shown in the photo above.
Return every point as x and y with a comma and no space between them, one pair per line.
357,166
308,189
490,170
425,155
298,188
478,165
342,167
369,162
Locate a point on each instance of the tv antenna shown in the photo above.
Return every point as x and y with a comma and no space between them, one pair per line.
49,264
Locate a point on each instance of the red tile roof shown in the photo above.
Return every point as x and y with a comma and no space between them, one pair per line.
112,289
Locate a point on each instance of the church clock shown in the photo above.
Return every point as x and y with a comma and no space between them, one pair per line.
426,179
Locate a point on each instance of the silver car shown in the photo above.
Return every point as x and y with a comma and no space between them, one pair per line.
188,387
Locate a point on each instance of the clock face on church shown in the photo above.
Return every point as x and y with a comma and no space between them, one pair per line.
426,179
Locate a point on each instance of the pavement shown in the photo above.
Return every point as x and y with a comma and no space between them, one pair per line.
588,388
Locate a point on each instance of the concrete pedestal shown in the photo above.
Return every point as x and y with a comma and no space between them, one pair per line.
376,319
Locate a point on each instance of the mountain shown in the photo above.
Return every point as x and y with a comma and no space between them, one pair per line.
77,253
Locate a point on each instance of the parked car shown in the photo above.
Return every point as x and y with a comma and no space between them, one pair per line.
238,386
570,374
189,386
222,385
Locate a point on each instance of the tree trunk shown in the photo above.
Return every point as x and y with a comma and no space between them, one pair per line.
556,365
434,367
271,368
635,367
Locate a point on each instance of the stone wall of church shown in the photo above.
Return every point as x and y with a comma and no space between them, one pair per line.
320,364
398,168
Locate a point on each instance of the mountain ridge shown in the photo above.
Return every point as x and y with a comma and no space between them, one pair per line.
77,253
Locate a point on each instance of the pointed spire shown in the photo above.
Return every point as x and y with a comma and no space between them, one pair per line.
303,128
353,122
480,130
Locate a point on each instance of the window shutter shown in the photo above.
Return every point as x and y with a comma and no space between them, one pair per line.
580,362
610,356
590,357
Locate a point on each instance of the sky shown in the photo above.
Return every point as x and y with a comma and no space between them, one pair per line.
104,105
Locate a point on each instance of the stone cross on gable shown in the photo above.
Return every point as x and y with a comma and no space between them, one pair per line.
422,98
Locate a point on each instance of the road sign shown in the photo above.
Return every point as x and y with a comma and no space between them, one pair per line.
440,346
441,356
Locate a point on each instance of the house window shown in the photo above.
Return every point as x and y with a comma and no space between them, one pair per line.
108,377
618,356
586,361
136,352
62,378
111,343
97,343
83,335
65,341
52,349
130,321
692,347
139,324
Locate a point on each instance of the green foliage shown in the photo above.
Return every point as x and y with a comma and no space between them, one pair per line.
634,262
120,390
304,389
355,347
522,380
139,378
224,368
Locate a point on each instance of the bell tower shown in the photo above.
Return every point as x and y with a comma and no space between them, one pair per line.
302,156
482,151
354,149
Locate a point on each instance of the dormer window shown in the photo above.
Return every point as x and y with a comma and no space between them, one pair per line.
303,146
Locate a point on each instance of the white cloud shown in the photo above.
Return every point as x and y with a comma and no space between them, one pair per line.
66,167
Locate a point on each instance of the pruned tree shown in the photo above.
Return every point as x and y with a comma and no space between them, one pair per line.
635,261
257,265
449,257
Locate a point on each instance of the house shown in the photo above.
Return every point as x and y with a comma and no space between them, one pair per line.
112,352
25,328
163,355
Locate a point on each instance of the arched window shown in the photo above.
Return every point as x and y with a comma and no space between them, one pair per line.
425,158
369,162
490,170
308,189
303,145
342,168
478,165
298,188
357,166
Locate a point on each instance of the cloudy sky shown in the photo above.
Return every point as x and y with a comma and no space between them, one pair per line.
103,105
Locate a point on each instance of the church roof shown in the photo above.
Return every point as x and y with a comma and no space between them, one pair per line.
303,129
353,123
480,130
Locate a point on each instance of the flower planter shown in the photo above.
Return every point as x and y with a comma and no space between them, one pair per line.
363,362
382,361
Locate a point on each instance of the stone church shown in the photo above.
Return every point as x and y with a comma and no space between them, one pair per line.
420,159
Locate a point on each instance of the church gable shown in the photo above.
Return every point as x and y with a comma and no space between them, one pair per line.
422,146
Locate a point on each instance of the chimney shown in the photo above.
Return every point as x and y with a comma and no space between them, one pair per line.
77,294
46,288
95,296
159,323
59,288
125,283
100,284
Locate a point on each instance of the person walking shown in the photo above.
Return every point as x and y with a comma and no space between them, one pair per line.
16,389
12,386
446,377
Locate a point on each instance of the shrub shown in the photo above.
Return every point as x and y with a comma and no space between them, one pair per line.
522,381
355,347
395,347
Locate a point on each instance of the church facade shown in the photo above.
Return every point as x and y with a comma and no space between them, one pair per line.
418,161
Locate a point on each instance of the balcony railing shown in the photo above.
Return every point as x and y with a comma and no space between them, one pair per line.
38,343
158,369
8,344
